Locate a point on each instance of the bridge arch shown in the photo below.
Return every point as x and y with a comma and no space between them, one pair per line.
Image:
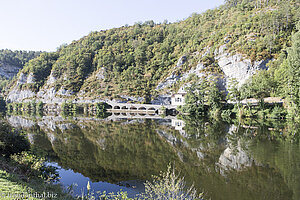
133,108
116,107
142,108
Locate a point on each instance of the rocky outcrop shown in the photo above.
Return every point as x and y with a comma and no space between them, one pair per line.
22,79
162,100
173,78
65,92
168,82
236,66
101,74
131,98
19,95
233,67
30,78
181,61
51,79
8,71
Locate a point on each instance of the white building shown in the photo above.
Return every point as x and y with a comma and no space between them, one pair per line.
178,99
178,124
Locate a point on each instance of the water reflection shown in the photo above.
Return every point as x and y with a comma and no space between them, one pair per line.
247,160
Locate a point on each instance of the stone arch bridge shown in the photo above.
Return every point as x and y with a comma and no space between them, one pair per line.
137,108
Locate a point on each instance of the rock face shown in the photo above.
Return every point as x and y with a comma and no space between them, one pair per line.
101,74
22,79
162,100
51,79
169,81
31,78
19,95
235,66
173,78
8,71
20,122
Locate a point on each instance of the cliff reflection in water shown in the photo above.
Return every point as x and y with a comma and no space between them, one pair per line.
225,161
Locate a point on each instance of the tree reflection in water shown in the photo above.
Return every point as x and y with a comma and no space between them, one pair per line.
243,160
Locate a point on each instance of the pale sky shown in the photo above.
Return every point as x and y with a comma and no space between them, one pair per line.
46,24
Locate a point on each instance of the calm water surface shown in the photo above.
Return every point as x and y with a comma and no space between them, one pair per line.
250,160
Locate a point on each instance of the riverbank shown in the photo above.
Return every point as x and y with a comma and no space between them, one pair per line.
14,184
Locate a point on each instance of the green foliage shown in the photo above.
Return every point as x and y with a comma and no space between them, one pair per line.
195,98
202,96
69,108
34,166
226,115
282,79
11,141
26,108
134,59
17,58
40,68
168,185
101,109
294,68
278,112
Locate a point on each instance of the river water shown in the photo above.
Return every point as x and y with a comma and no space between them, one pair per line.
242,161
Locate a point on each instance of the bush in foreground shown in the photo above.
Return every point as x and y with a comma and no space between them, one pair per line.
166,186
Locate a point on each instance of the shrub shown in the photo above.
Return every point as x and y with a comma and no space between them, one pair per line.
33,166
166,186
169,186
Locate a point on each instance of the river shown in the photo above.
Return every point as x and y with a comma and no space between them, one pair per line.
238,161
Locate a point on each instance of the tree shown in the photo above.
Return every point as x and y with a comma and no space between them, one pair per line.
234,93
294,67
195,98
214,96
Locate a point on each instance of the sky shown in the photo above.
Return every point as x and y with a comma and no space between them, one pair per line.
46,24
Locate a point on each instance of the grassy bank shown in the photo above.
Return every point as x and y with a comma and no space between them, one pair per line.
15,184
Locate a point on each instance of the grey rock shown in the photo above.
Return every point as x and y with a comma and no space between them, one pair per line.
169,81
8,71
237,67
19,95
22,79
65,92
101,74
31,78
181,61
162,100
132,98
235,158
206,51
51,79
